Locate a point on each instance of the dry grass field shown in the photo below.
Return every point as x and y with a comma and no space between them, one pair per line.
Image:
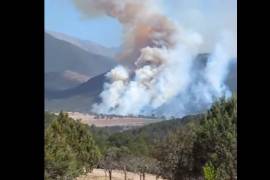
99,174
110,121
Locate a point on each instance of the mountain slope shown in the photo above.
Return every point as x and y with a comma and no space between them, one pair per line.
64,80
62,56
92,87
79,98
86,45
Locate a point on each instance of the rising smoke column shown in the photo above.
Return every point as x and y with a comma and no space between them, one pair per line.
157,60
142,22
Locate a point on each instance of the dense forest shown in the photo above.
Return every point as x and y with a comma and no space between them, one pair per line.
194,147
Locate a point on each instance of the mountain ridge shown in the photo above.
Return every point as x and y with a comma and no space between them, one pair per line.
87,45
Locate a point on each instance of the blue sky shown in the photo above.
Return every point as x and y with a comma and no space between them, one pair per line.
62,16
203,16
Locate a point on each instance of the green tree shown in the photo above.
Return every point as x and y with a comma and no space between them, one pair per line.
69,149
216,139
48,118
175,153
110,160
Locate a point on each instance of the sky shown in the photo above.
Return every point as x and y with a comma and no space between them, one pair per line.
208,17
62,16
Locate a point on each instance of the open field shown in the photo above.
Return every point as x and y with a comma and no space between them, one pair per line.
99,174
108,121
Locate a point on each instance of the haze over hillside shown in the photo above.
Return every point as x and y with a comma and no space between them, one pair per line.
83,96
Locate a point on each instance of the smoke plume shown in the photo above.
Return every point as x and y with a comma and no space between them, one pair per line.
158,72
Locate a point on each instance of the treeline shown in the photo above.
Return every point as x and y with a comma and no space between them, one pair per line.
195,147
111,116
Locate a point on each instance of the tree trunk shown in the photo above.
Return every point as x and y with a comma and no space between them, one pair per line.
110,174
125,172
143,176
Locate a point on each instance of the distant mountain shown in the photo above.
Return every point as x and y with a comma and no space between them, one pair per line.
87,45
66,64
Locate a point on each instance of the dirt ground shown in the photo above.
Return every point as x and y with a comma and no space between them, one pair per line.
99,174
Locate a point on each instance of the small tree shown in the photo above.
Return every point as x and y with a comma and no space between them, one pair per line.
110,160
209,172
175,153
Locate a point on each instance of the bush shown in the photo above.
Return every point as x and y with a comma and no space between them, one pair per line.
209,172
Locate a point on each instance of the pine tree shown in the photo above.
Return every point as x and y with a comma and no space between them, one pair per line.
69,149
216,139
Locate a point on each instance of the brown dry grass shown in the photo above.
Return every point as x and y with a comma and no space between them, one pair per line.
107,122
99,174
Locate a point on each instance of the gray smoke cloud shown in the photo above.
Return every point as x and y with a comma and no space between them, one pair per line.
207,17
158,73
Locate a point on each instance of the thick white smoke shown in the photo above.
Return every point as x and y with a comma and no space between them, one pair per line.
207,83
159,73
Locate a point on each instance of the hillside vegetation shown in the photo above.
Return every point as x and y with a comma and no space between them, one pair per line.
195,147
